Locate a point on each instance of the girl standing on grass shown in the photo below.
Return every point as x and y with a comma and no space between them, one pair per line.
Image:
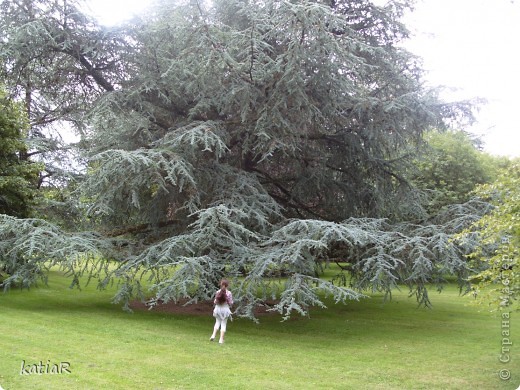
221,312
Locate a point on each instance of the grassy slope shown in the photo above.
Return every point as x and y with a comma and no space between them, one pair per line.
363,345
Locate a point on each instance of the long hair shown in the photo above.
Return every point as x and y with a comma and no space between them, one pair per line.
221,297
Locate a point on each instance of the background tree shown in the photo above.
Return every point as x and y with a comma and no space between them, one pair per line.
243,138
498,233
18,175
450,168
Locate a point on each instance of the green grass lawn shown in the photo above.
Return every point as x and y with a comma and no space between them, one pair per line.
362,345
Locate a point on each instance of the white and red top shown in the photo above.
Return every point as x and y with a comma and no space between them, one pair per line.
222,310
229,298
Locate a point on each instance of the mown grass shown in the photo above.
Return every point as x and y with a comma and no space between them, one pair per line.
362,345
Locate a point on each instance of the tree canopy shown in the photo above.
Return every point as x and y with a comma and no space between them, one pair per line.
243,138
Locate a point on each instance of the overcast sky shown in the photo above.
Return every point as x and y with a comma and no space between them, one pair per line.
470,46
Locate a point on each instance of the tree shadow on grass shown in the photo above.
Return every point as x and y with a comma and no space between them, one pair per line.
202,308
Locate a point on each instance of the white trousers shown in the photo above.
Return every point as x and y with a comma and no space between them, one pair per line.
221,323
